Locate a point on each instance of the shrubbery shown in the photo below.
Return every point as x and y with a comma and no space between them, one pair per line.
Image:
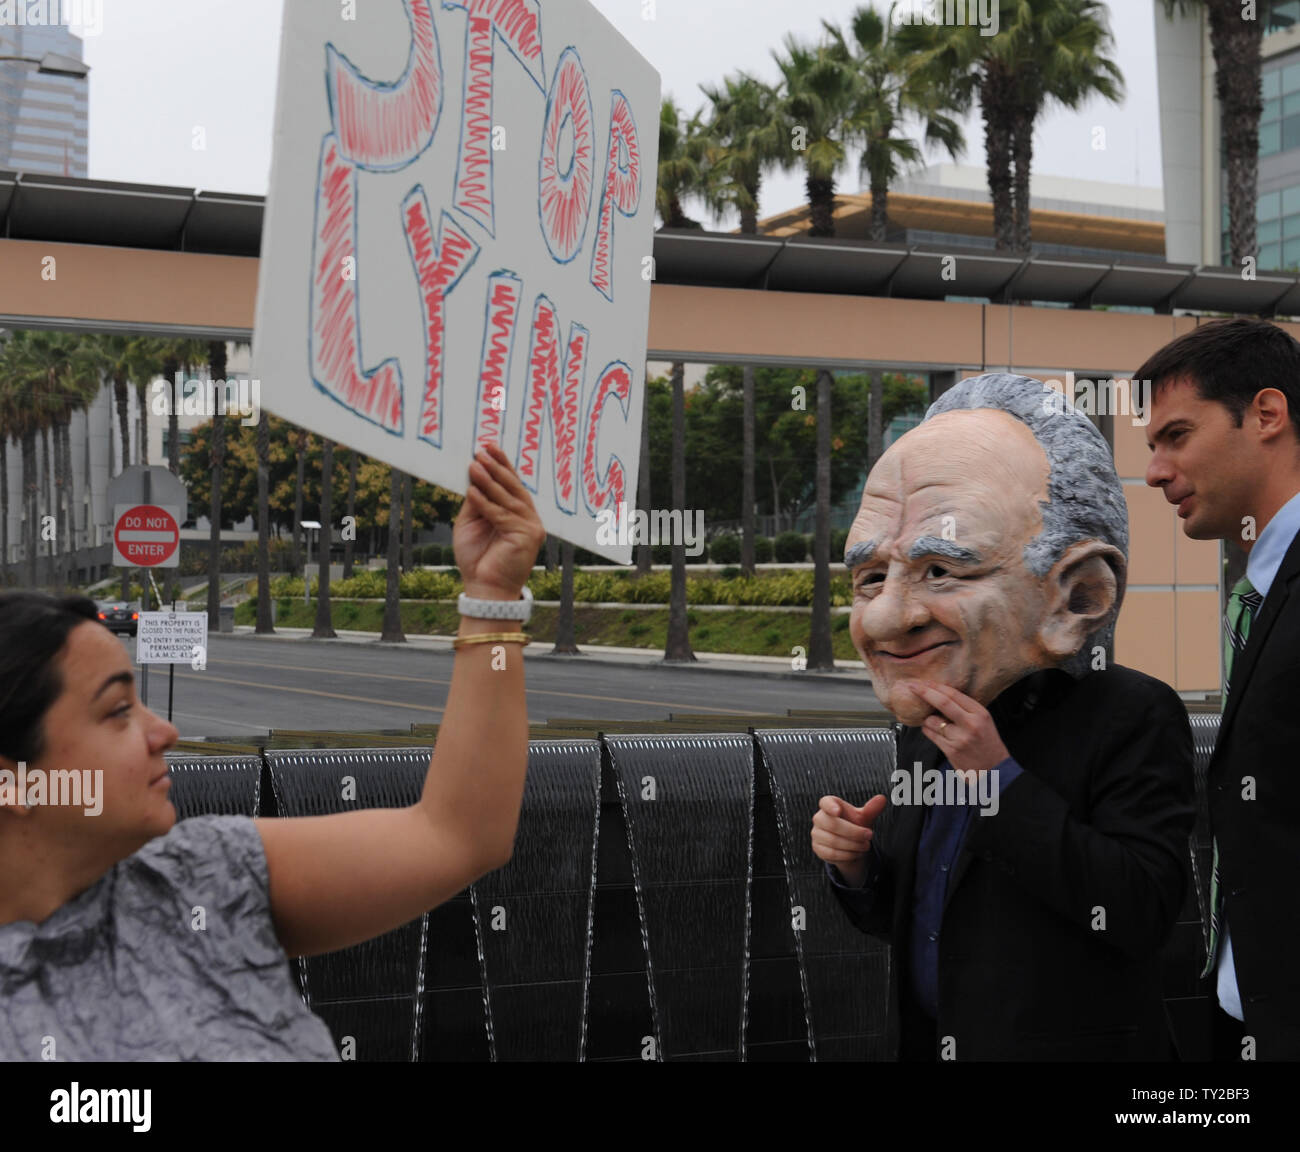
725,549
791,548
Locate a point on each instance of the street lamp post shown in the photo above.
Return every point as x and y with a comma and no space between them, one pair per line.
306,580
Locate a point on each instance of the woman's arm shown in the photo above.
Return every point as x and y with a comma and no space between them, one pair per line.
338,880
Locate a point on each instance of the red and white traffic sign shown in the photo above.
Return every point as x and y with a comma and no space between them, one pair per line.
146,536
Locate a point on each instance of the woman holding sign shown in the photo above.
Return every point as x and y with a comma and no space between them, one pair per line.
124,935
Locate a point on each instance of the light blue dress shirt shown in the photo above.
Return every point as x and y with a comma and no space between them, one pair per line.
1261,570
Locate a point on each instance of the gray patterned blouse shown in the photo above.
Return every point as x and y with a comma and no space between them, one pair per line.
171,955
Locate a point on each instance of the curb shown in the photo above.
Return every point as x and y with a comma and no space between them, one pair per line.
778,669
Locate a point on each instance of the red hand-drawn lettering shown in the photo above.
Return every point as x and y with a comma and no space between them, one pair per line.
545,370
504,292
518,23
336,364
564,194
615,383
385,127
622,190
438,268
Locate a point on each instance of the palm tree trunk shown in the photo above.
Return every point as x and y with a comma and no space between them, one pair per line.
552,553
997,147
31,492
644,551
393,633
49,501
217,372
747,480
348,544
879,209
1022,147
4,509
142,427
820,654
68,531
876,419
60,557
123,417
678,647
566,643
1236,42
408,521
300,443
264,625
170,368
821,206
324,629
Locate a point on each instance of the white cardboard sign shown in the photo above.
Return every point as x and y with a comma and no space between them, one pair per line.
171,637
455,254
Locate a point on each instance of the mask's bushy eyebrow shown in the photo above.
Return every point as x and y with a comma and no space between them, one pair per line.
937,546
860,553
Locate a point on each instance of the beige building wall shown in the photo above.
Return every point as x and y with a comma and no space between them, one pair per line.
1169,625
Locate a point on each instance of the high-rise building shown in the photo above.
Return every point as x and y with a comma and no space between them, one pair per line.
43,118
1195,179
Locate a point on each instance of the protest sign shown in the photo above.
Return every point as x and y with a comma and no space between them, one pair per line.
457,243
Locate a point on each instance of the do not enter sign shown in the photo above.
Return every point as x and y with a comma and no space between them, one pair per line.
146,536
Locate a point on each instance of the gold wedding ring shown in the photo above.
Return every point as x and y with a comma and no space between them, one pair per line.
942,727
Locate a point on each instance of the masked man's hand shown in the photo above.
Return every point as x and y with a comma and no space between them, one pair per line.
961,728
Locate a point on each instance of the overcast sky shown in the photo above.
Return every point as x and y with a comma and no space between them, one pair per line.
162,68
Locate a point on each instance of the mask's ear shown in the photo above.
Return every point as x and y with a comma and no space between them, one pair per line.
1082,594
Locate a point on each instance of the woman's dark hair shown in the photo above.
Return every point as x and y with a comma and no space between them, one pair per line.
1228,362
33,630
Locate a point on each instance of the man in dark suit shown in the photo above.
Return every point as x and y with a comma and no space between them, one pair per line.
1225,439
1027,911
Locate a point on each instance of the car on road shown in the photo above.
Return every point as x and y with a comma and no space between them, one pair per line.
119,616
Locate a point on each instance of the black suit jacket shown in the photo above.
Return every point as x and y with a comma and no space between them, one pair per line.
1253,786
1059,904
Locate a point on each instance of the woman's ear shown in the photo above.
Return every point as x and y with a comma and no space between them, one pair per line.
1082,595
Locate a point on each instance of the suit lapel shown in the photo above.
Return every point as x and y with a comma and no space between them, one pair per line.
1244,664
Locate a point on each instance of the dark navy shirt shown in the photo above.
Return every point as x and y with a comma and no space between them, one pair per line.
943,832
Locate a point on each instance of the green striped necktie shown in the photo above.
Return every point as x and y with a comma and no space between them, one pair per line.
1243,605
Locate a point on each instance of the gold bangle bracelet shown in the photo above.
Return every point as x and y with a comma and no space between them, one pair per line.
520,638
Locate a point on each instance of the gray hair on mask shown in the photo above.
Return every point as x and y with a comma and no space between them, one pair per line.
1085,498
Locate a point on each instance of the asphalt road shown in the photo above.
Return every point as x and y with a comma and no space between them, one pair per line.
253,684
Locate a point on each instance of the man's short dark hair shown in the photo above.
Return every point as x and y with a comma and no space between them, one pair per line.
1228,362
34,629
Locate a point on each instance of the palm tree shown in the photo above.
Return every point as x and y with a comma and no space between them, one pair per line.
392,633
882,101
348,543
408,521
1236,43
678,647
217,374
324,629
748,138
300,446
644,552
265,627
1045,51
818,94
820,654
683,150
566,643
122,358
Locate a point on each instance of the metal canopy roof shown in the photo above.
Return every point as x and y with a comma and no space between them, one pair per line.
75,211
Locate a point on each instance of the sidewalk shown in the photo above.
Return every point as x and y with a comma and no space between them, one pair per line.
846,671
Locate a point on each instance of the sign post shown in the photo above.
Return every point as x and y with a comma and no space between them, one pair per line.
458,244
